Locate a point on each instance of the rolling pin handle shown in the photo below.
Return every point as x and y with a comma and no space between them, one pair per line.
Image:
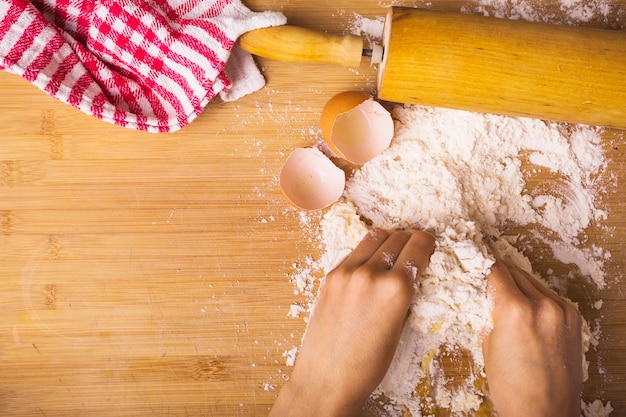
296,44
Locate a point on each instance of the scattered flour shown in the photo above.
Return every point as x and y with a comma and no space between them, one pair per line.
467,177
571,12
370,29
563,11
290,356
462,176
596,409
446,165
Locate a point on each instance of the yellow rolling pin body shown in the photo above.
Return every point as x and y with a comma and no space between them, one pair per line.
492,65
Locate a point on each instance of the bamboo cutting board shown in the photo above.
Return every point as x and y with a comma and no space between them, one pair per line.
149,274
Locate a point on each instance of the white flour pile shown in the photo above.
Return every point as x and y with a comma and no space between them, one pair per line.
465,176
462,176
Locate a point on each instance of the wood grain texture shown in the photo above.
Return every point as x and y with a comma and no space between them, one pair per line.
148,275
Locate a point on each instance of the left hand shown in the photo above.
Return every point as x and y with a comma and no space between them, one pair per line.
356,325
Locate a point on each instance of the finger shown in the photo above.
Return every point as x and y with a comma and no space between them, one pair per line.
530,285
500,284
501,287
387,254
366,248
415,255
524,284
540,289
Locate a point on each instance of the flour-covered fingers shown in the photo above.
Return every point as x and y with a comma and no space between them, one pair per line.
524,283
501,285
368,246
531,286
405,252
415,255
387,254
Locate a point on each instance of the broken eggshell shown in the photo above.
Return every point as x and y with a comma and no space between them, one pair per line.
310,180
356,127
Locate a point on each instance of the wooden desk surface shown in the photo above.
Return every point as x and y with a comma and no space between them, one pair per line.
148,274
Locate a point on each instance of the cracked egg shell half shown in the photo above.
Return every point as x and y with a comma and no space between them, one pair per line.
356,127
309,179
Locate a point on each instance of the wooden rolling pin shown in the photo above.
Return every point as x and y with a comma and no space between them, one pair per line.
477,63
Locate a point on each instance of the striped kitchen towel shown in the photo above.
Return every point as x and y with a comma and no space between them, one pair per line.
144,64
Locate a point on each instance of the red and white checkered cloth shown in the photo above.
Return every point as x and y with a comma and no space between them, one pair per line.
145,64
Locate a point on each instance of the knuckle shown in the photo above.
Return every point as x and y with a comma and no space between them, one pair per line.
550,311
546,312
397,284
398,278
365,271
518,310
340,274
560,313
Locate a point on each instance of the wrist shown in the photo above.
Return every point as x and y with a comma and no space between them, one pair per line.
306,400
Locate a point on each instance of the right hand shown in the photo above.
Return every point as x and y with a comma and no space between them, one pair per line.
533,354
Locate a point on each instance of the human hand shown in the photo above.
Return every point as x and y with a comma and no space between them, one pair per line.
533,354
356,326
